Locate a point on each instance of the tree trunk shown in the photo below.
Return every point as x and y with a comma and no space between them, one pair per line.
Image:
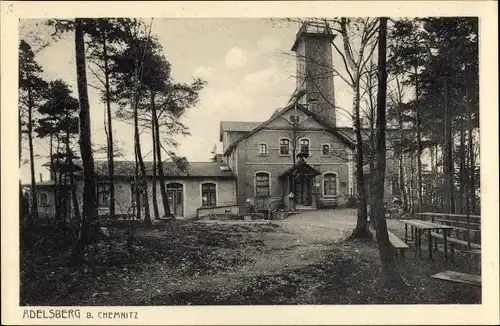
402,187
470,141
372,141
57,180
137,189
155,199
110,150
448,158
142,167
431,181
461,166
384,246
89,227
159,163
361,230
33,193
74,198
419,144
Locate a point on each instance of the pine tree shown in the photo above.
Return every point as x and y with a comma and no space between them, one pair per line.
31,94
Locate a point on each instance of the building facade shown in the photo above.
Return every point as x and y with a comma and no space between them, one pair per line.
299,152
299,157
191,192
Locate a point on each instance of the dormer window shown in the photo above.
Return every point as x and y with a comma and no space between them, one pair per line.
304,146
263,149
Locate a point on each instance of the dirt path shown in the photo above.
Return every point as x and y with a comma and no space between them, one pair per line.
301,240
298,241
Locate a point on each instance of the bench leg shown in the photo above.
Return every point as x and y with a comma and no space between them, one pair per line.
418,240
412,234
452,250
406,233
429,239
403,255
445,243
436,245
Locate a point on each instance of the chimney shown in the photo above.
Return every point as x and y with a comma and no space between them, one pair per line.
313,53
41,178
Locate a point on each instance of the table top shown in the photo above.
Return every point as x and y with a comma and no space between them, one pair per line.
457,222
423,225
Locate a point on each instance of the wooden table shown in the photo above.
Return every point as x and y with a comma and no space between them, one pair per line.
423,226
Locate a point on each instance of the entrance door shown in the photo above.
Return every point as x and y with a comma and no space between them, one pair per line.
175,199
303,190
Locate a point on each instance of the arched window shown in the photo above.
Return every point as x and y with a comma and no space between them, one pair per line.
284,146
262,184
263,149
304,146
208,194
330,184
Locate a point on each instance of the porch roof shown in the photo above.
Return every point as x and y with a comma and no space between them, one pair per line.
301,168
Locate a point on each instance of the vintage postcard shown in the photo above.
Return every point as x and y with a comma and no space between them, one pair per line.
249,163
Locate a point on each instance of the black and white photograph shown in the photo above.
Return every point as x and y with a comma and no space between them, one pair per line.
248,161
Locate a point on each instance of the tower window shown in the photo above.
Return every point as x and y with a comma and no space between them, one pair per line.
325,149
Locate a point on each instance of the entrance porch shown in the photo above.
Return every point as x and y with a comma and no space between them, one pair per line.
298,186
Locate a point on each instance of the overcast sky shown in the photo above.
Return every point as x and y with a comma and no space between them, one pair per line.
247,63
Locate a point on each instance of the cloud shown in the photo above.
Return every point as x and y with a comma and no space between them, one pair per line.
267,44
263,78
203,72
235,58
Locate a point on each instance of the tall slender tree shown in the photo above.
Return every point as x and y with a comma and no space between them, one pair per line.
59,119
89,226
31,94
358,43
106,36
384,245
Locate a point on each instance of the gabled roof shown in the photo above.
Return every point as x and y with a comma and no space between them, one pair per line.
242,126
301,167
193,170
325,125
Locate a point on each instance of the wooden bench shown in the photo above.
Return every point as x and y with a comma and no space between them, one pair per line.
473,254
462,232
459,277
454,241
398,244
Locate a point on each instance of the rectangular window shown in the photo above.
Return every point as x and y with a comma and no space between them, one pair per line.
330,184
208,194
325,150
284,147
304,146
103,194
262,185
44,199
262,149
